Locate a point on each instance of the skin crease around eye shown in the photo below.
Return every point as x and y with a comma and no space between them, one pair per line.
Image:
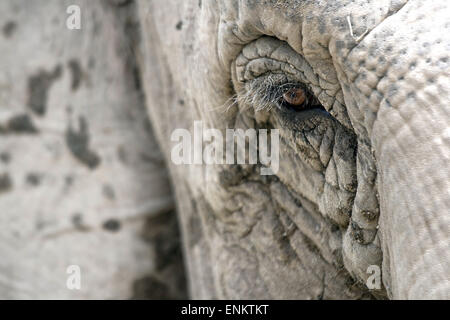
267,68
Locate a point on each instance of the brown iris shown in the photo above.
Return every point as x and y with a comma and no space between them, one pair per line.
295,97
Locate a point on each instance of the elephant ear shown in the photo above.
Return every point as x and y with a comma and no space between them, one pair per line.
83,185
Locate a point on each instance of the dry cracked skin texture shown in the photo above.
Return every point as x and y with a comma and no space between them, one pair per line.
362,178
311,230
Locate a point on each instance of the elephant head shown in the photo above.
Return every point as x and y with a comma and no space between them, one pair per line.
360,94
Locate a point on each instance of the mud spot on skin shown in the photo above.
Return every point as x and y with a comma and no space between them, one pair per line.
137,79
108,192
147,126
78,143
150,288
5,157
9,28
120,3
40,225
91,63
5,183
112,225
179,25
68,180
38,86
122,154
161,231
151,159
76,72
33,179
20,124
195,230
132,30
77,221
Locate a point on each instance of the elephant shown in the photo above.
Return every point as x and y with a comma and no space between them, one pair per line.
350,97
364,177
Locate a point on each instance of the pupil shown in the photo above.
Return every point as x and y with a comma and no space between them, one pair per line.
295,96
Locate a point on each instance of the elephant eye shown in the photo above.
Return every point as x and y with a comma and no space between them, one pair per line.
268,74
294,97
284,95
298,98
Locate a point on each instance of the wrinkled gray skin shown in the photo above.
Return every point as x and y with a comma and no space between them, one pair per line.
366,184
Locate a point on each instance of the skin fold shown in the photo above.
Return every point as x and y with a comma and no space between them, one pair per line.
364,180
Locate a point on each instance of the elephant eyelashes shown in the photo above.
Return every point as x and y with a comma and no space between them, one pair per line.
276,90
